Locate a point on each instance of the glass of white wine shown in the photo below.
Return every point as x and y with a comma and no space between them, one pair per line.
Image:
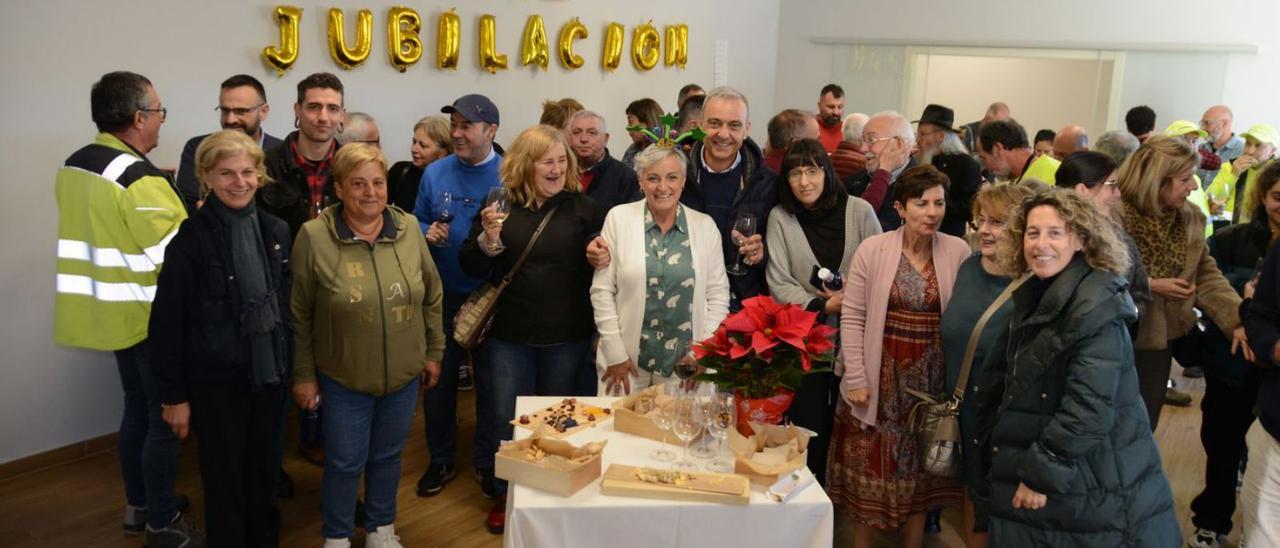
500,200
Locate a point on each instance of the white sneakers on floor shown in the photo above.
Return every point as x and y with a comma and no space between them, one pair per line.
384,537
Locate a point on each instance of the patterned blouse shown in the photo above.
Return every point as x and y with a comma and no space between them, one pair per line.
668,316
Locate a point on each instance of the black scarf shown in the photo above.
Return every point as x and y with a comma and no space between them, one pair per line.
259,308
824,229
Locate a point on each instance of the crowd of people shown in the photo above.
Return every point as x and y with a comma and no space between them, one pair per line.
313,267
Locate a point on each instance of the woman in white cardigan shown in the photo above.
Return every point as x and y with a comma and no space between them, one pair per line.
666,284
816,224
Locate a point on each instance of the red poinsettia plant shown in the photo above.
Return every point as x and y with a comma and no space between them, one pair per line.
765,347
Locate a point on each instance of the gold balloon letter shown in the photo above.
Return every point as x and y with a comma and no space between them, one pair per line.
349,58
573,30
283,56
612,56
403,44
490,59
677,45
644,46
533,47
448,39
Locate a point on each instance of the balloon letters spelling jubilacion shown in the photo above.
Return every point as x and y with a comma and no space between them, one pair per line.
404,47
677,45
533,46
286,54
490,59
573,30
448,40
644,47
611,57
350,57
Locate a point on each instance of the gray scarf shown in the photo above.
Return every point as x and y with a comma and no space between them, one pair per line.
259,312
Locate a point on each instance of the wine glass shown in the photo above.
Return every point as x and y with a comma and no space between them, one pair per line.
444,215
705,393
501,201
722,419
684,368
444,211
743,227
686,423
1219,196
662,419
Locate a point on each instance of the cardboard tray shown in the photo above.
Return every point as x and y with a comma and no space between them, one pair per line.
789,443
554,476
620,480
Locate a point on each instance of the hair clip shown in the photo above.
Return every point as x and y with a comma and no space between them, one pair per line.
669,138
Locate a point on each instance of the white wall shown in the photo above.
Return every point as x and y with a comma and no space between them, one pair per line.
54,51
1250,82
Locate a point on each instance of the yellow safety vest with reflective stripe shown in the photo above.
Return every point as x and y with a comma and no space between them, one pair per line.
116,214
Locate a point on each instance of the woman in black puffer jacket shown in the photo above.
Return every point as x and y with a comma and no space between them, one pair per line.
1067,453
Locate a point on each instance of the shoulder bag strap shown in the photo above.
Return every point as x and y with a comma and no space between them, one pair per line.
963,381
520,261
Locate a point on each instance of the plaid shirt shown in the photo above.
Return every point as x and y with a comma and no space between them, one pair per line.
316,172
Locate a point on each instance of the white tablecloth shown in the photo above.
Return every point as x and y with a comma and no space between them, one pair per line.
537,519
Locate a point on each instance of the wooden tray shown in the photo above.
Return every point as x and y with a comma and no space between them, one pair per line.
620,480
584,415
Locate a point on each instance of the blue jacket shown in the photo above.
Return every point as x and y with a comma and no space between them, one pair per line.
468,185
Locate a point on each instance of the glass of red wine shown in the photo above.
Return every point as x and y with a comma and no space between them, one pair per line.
444,212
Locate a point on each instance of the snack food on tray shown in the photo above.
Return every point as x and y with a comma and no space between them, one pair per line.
565,418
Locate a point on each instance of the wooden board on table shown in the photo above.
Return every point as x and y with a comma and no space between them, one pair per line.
554,417
621,480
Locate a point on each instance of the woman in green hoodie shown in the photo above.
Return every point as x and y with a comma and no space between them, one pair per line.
366,318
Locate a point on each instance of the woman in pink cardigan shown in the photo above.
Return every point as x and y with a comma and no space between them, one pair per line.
890,334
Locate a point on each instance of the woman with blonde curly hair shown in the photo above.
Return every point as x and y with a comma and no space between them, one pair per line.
1066,458
540,342
1169,232
983,278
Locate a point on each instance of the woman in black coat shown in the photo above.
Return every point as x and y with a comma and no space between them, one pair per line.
220,342
1067,453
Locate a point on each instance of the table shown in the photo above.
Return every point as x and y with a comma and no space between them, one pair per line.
537,519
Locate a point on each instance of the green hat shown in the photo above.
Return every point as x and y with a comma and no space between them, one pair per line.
1182,127
1263,133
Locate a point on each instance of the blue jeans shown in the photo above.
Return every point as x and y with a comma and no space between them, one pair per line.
440,404
363,433
530,370
148,448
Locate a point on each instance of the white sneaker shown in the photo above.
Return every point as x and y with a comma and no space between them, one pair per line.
1205,538
383,537
337,543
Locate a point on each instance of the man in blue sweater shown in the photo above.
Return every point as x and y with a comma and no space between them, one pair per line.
466,176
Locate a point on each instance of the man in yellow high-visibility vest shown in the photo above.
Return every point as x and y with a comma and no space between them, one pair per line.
116,213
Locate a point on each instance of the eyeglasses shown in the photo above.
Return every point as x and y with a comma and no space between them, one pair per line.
799,173
872,142
164,112
374,142
238,112
1110,184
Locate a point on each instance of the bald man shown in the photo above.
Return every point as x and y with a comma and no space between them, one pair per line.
969,131
1222,145
1070,139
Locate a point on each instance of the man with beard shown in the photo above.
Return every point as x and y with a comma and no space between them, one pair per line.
831,117
938,143
300,184
242,105
603,178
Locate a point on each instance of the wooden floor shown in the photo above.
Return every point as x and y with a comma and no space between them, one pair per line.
80,503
